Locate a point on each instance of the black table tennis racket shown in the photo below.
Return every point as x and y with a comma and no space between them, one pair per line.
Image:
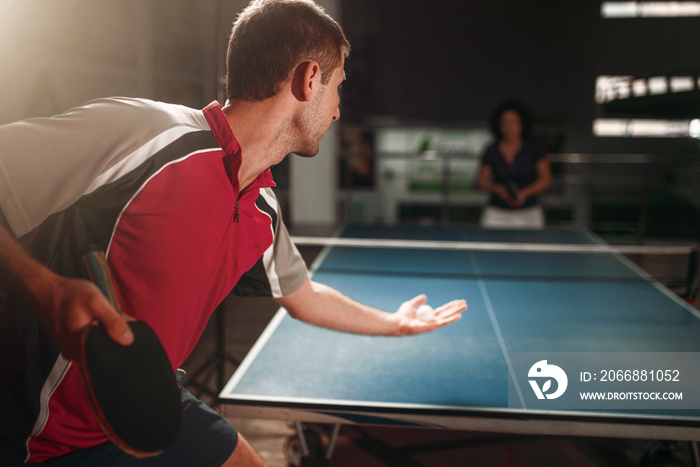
132,389
512,190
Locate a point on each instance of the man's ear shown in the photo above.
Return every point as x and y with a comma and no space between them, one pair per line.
306,80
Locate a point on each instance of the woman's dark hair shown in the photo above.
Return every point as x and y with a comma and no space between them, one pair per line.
517,107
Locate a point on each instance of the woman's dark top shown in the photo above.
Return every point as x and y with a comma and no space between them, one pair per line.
521,173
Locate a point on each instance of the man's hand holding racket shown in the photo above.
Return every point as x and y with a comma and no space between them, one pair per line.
69,306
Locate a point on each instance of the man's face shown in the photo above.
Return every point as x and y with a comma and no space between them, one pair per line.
322,111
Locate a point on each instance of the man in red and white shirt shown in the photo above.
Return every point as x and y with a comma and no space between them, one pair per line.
181,201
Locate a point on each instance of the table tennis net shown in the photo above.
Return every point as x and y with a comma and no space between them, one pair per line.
674,266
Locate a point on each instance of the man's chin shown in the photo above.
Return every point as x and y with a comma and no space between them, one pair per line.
307,153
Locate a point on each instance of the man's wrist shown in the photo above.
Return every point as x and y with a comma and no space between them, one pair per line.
35,286
397,325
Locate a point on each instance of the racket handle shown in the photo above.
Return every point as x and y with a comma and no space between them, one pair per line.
512,190
98,271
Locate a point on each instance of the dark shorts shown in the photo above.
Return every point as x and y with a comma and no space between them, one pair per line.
205,439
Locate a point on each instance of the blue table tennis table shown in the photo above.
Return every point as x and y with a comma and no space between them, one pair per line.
477,374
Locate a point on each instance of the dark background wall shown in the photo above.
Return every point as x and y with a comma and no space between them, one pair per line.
452,61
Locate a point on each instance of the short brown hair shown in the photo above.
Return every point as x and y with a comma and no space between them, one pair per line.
271,37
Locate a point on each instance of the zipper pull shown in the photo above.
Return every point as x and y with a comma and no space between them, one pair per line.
236,218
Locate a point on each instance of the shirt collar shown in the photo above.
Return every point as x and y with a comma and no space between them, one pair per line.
232,150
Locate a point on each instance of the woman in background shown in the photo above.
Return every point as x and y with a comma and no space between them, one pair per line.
514,170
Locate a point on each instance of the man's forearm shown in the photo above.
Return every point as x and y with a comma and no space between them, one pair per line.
323,306
65,306
20,274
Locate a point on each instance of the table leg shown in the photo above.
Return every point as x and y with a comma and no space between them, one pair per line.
694,454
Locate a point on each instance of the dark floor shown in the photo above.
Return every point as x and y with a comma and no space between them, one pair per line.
245,319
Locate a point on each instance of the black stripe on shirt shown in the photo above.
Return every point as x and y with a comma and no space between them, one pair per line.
255,283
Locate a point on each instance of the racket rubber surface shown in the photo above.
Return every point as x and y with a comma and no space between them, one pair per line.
132,389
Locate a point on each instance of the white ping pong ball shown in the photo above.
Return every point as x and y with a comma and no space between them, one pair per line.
425,312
